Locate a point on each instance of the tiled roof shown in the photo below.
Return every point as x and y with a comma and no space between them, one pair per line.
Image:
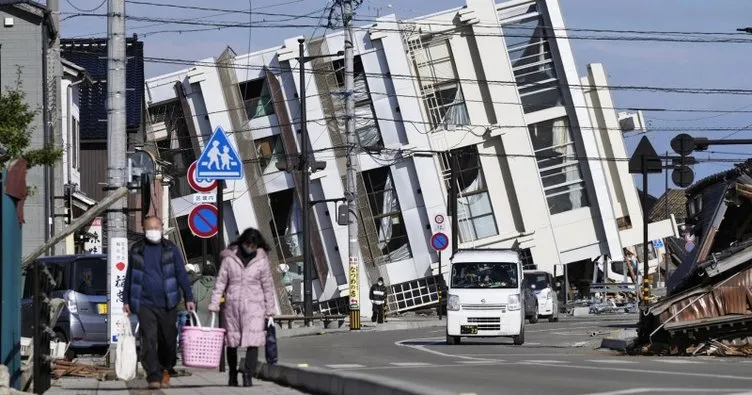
91,54
677,205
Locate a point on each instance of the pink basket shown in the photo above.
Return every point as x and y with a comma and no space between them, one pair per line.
202,345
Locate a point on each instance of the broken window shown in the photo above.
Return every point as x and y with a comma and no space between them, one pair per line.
475,214
532,63
177,147
526,258
386,214
256,98
439,83
366,127
269,151
559,165
287,226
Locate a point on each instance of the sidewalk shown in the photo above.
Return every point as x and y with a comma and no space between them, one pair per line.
200,382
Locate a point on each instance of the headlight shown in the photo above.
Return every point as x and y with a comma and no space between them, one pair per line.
453,303
72,307
514,302
549,295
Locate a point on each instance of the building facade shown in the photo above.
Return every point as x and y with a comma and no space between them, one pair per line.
538,151
25,35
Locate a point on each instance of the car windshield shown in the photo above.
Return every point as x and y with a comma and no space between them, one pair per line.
537,281
484,275
90,276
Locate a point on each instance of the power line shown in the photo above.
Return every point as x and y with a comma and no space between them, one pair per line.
85,10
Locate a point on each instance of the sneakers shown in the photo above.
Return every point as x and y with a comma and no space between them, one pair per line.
155,385
165,379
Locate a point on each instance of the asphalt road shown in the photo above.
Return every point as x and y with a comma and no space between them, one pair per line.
557,358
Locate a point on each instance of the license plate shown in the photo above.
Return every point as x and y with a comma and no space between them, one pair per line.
469,330
102,308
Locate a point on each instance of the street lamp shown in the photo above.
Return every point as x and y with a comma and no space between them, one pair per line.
306,166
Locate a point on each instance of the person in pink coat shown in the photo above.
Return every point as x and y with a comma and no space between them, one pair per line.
245,280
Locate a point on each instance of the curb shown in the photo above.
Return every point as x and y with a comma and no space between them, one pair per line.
326,382
616,344
389,326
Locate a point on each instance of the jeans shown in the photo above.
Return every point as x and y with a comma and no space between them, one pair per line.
158,346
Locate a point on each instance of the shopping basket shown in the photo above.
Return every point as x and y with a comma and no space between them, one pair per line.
202,346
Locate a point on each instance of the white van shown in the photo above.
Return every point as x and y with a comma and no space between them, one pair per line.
485,296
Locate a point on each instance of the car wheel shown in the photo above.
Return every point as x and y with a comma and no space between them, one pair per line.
519,339
452,340
534,318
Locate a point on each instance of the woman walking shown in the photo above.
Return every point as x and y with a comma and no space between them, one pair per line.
245,280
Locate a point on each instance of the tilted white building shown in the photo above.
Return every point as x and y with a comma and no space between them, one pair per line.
540,149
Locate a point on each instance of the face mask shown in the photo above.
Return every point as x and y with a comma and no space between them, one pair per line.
154,236
247,251
380,283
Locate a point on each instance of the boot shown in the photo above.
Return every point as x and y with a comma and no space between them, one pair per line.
233,382
247,380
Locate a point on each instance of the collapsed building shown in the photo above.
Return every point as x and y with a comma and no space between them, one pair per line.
709,295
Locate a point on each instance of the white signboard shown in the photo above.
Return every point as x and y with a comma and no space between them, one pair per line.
93,245
118,264
199,198
439,222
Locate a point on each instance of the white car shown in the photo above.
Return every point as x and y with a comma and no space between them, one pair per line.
544,287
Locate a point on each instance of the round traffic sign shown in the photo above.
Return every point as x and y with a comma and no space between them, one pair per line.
683,144
439,219
199,185
203,221
439,241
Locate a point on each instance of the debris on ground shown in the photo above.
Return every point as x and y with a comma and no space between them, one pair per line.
62,368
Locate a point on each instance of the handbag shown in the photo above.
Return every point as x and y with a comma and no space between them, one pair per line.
126,358
270,352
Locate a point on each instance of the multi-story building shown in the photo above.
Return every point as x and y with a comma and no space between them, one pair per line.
540,154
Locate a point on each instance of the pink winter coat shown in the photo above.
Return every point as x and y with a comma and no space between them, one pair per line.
249,298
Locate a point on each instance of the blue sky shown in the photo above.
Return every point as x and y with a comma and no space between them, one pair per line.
633,63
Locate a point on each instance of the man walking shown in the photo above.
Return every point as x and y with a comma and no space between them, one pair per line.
378,298
153,284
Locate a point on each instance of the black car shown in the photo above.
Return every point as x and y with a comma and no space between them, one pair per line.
531,302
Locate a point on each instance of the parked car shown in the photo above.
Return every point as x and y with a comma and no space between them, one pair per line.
530,301
80,280
542,285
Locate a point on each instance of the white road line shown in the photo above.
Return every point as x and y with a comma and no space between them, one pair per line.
542,361
423,348
647,371
480,362
345,366
414,364
609,361
676,361
655,390
531,344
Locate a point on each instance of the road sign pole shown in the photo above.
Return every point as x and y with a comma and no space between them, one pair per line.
440,285
645,260
218,258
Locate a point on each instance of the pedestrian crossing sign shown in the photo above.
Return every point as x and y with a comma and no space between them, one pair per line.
219,160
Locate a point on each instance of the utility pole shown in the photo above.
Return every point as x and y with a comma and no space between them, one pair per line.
54,81
306,166
353,248
117,236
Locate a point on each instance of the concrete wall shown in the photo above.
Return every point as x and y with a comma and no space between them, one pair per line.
22,46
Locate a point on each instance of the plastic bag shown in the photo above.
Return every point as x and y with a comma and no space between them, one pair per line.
271,343
126,358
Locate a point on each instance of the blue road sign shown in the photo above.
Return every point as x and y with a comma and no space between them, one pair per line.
219,161
203,220
439,241
657,243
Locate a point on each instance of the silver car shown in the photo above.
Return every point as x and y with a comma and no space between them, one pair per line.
80,280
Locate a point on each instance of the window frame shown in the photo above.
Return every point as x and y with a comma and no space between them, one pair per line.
395,214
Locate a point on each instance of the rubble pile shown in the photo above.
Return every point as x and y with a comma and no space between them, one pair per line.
708,306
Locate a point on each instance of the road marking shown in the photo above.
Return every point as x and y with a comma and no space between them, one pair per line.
541,361
648,371
413,364
676,361
345,366
654,390
610,361
480,361
419,347
531,344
